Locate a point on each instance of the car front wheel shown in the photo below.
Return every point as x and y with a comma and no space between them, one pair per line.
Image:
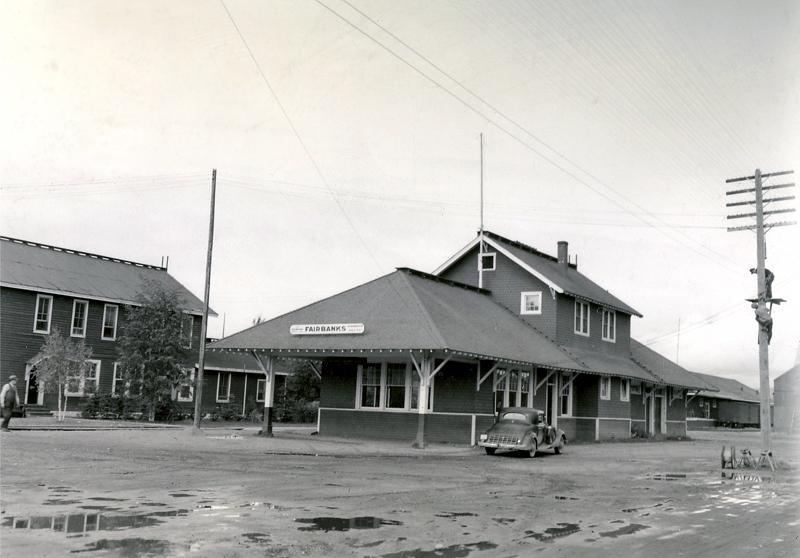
558,448
490,451
532,451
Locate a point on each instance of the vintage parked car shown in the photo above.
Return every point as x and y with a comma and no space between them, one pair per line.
522,429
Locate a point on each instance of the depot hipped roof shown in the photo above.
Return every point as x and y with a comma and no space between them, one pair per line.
728,388
668,371
53,270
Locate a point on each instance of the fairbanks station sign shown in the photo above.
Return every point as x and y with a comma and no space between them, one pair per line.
326,329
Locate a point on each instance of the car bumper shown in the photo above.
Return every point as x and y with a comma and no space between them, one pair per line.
504,445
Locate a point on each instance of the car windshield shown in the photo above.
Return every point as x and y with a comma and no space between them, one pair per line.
515,416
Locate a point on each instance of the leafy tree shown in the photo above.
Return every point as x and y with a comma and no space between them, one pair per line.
63,365
151,347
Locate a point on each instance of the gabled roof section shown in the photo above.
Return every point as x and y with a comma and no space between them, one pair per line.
409,310
728,388
53,270
547,269
235,362
666,370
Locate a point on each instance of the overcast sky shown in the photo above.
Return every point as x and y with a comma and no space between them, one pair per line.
346,138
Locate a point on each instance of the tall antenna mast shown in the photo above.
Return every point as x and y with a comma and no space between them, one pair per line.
480,233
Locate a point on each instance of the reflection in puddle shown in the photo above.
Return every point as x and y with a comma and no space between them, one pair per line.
453,515
551,533
667,476
627,530
734,476
452,551
58,502
129,547
79,523
344,523
256,538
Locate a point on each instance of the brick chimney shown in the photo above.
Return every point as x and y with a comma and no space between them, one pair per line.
563,255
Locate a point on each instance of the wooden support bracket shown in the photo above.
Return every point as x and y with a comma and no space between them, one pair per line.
482,379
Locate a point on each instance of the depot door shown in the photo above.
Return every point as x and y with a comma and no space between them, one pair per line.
32,387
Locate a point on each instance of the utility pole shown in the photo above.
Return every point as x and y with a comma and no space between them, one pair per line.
763,303
480,234
198,390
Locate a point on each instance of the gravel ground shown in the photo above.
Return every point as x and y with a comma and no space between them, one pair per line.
227,492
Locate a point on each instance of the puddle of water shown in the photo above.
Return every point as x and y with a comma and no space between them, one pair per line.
441,551
58,502
666,476
181,495
552,533
106,499
129,547
627,530
744,477
344,523
80,523
504,520
256,538
453,515
566,498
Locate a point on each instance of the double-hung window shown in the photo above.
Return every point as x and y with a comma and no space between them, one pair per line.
261,390
487,261
187,327
91,376
582,318
530,302
609,325
388,385
605,387
185,392
624,390
44,311
80,382
110,322
565,399
115,379
224,387
80,312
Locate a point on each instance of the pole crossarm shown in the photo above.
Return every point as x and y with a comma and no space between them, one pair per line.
766,175
768,225
772,212
773,187
765,200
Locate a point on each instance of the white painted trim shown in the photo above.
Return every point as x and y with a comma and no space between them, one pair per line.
494,261
570,396
613,314
483,379
458,255
72,294
258,383
608,392
596,429
85,304
588,318
227,398
623,395
114,378
103,323
372,410
49,313
523,265
472,429
522,303
244,397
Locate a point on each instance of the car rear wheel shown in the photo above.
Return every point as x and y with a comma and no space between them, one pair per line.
532,451
490,451
558,449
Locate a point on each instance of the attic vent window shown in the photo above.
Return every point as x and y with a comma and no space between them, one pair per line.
486,262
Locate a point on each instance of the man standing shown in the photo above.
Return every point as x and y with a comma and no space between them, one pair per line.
10,400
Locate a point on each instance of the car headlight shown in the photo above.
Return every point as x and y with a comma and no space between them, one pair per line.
484,437
519,440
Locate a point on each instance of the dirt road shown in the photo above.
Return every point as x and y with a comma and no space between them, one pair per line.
228,493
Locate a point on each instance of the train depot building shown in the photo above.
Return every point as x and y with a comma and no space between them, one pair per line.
432,357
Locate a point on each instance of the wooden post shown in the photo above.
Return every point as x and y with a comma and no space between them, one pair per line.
198,390
761,310
268,368
424,388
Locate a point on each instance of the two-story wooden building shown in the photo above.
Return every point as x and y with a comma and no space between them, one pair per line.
85,295
431,357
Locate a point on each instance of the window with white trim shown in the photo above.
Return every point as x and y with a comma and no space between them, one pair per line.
84,381
530,302
371,385
636,388
565,398
624,390
605,387
223,387
43,313
261,390
110,312
80,313
115,378
609,325
582,318
487,261
396,382
389,385
187,327
185,391
706,410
